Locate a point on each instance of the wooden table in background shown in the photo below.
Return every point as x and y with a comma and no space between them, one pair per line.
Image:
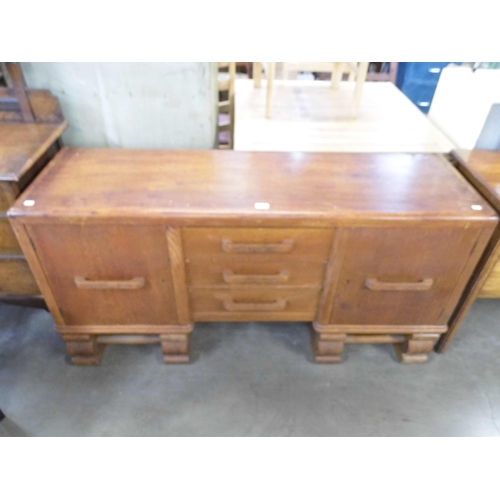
310,116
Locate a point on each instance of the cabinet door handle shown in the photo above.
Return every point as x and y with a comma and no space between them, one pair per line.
283,247
133,284
380,286
230,305
230,277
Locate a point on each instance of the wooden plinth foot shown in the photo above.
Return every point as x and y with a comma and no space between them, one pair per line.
328,347
84,350
416,348
175,347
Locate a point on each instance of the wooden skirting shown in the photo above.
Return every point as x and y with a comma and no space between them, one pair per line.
379,329
123,329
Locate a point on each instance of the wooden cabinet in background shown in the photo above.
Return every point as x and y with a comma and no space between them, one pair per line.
136,246
31,124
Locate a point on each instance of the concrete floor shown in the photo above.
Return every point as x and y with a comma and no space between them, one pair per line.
248,379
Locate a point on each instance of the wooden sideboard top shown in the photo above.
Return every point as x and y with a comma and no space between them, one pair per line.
227,185
22,144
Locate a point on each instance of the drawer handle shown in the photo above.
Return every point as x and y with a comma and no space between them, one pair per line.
381,286
133,284
230,277
230,305
283,247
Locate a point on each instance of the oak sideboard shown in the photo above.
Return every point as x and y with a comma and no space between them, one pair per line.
134,246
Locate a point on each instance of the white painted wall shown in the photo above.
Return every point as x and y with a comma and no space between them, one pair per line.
135,105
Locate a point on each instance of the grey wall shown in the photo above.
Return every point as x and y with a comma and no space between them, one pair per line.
136,105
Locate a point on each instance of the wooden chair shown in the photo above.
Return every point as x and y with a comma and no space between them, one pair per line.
382,72
16,100
377,71
355,71
247,66
225,124
19,104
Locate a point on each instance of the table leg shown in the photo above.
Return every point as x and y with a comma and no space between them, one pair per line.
270,86
337,72
358,89
257,74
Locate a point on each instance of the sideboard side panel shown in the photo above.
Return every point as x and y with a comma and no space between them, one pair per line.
30,253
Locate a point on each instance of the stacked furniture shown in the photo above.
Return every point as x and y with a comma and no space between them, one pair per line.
31,124
418,81
225,125
132,246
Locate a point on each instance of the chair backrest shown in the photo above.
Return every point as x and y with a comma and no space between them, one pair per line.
19,104
225,129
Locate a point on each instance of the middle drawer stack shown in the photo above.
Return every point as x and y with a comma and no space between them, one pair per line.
248,274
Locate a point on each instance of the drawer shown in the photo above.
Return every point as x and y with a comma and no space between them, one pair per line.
297,244
247,270
254,304
108,275
491,287
16,277
392,276
8,241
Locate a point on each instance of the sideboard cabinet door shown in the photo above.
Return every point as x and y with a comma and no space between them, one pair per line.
106,274
403,276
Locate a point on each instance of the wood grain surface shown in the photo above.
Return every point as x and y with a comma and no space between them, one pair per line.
224,186
21,144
